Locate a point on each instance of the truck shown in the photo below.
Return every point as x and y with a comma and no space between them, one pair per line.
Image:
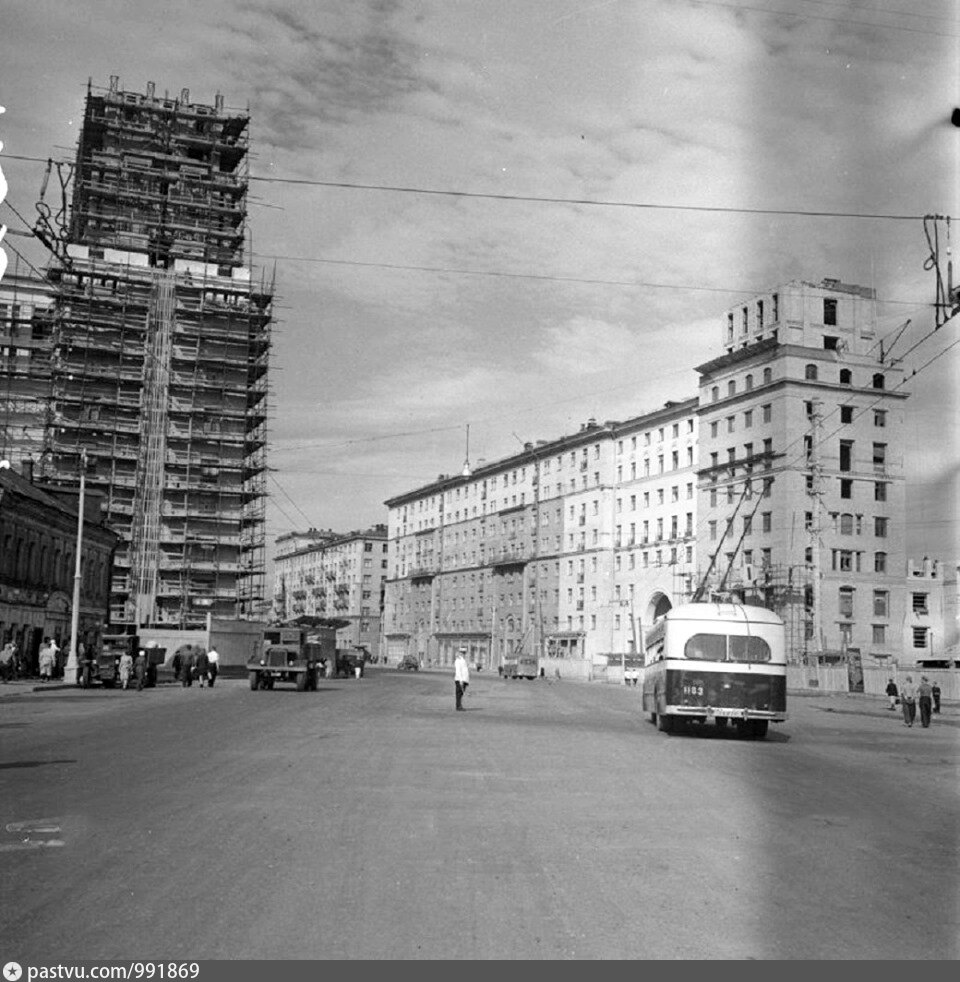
520,665
105,666
294,662
108,661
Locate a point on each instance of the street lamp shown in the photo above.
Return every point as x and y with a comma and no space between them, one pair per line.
75,613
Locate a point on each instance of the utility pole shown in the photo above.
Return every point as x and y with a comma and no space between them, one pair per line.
75,612
816,491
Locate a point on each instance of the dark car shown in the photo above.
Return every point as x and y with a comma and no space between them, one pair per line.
409,663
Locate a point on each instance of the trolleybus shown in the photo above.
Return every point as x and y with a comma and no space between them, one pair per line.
716,661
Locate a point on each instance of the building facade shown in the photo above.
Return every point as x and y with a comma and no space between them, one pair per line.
339,577
931,629
563,550
26,348
801,480
38,541
158,354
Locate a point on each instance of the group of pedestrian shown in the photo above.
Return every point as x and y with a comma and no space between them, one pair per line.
13,664
200,666
48,659
923,697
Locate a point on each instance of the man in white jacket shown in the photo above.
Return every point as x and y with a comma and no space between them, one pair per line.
461,676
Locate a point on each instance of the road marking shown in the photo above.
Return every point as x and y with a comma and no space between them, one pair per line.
32,834
35,825
31,844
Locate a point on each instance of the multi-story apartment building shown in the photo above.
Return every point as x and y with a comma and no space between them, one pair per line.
931,629
155,364
26,346
564,549
801,482
334,576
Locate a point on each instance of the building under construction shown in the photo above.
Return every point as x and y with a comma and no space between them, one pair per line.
160,355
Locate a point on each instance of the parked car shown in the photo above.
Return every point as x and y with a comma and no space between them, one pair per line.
409,663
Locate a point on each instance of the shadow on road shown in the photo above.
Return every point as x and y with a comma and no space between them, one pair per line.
33,763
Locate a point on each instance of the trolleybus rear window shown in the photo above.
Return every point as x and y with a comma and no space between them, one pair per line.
726,647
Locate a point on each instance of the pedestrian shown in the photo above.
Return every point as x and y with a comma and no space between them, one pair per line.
908,701
177,665
46,661
892,694
924,700
213,665
6,662
461,676
55,649
140,669
187,669
936,697
203,667
126,668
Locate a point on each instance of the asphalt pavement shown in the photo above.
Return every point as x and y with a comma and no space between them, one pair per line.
550,820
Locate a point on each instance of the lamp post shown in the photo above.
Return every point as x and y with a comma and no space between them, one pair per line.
75,612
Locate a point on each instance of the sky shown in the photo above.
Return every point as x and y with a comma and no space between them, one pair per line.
615,175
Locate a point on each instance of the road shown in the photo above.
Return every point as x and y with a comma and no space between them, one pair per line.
549,821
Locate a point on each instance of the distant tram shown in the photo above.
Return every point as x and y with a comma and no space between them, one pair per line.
716,661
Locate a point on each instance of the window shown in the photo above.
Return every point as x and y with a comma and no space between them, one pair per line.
723,647
713,531
714,428
767,375
879,634
846,524
880,491
748,381
878,380
731,388
846,414
846,376
879,456
775,299
810,373
880,527
879,417
766,519
881,603
846,601
879,562
730,327
767,413
919,603
846,561
829,311
846,488
715,393
748,419
919,637
846,455
730,424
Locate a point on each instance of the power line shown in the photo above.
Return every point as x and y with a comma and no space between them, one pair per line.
591,202
292,502
831,20
596,281
552,199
